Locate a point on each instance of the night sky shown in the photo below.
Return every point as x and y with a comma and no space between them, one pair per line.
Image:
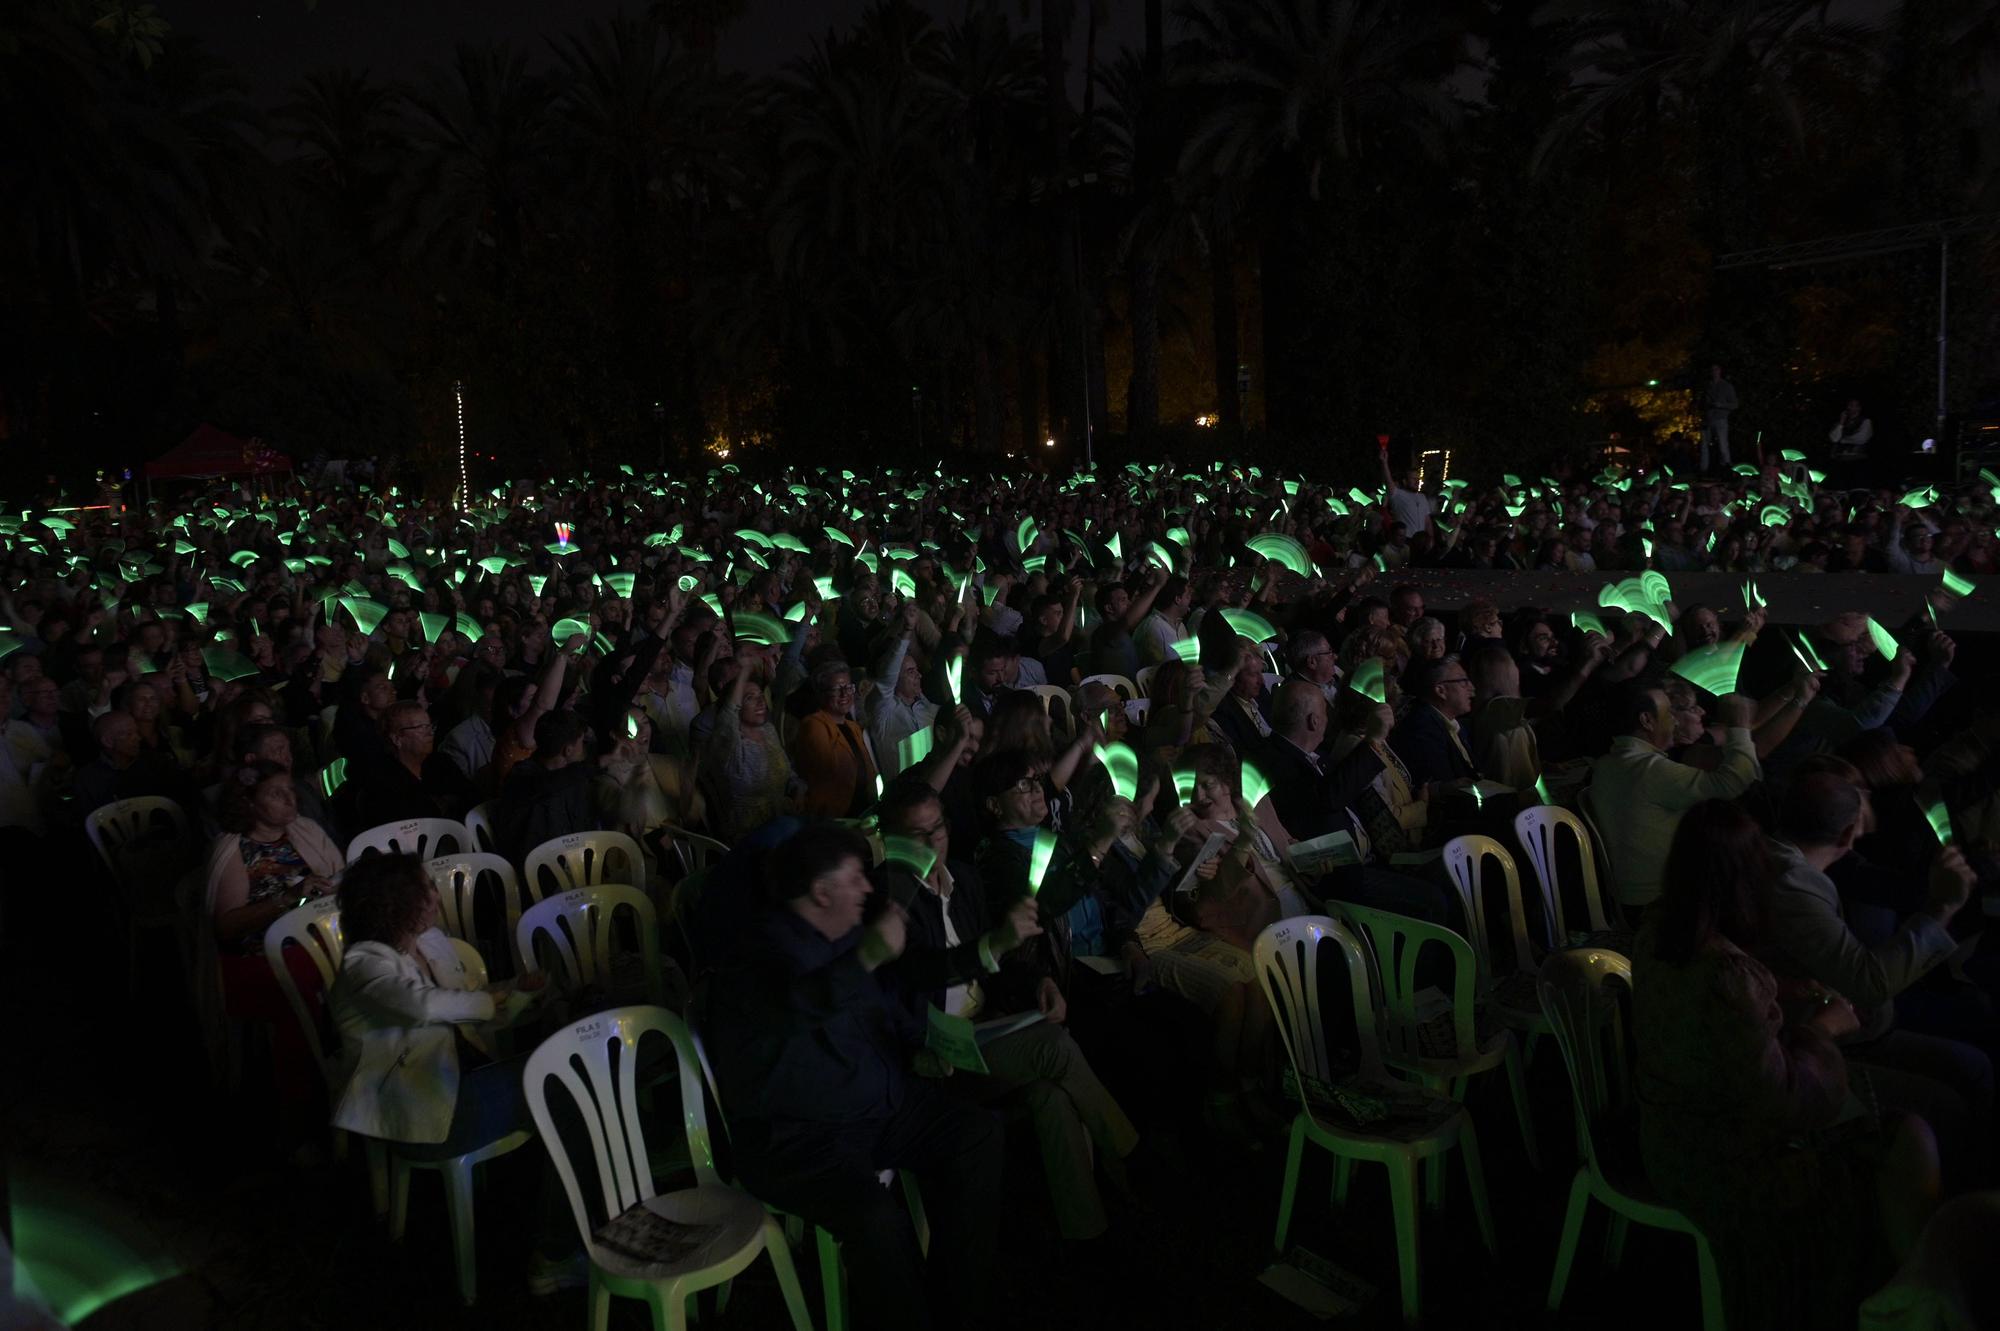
275,42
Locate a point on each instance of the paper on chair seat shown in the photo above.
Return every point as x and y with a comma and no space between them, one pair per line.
1333,851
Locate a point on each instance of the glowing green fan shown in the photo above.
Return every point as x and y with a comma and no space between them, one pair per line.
954,675
1713,669
537,581
199,609
368,615
1885,641
1752,598
1367,679
1184,779
1744,469
912,854
1025,534
901,583
1921,497
1956,585
688,582
915,748
752,536
1939,818
1339,509
620,584
1043,851
1252,626
1589,623
468,628
1255,787
1808,655
433,624
1792,455
1122,765
754,627
494,564
1188,650
565,629
1285,550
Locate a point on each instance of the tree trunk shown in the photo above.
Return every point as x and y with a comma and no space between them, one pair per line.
1223,322
1142,390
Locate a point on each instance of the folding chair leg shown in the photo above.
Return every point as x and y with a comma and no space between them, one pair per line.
399,1196
1403,1199
1475,1183
458,1208
600,1303
1579,1205
1343,1170
1711,1286
788,1276
832,1284
1294,1154
1614,1242
1518,1084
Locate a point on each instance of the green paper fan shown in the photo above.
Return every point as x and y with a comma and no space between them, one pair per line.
1589,623
1285,550
368,615
1956,585
1255,788
468,627
433,624
915,747
565,629
1939,818
1713,669
225,665
1885,641
1252,626
1121,764
620,584
1367,679
912,854
767,629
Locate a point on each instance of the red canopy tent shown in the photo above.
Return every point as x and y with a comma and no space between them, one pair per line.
212,452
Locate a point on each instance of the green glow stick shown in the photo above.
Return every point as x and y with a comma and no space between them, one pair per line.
1542,790
954,673
1252,626
1122,764
1712,669
1752,598
1285,550
1885,641
1808,655
1038,858
1367,679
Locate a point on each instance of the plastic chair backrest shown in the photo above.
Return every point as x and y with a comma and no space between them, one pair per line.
695,851
1395,942
458,878
580,860
1539,829
479,823
1138,711
421,837
475,965
1287,959
578,925
1465,859
1124,687
1587,808
315,927
1576,987
1144,681
607,1101
123,822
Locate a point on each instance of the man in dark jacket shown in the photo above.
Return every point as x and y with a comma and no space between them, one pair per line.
810,1055
1430,739
547,795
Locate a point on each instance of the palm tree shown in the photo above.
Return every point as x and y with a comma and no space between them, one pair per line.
1298,95
345,123
483,165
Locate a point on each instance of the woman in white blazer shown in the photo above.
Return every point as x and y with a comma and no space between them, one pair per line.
402,1011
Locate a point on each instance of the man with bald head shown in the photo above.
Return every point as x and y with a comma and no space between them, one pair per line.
123,769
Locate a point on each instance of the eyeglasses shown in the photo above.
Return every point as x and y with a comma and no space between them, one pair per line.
1027,785
839,689
420,729
926,833
1462,679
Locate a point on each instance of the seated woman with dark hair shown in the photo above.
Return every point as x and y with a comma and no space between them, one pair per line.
413,1064
1740,1094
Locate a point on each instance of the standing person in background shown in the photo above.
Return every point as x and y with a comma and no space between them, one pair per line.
1718,399
1412,507
1850,434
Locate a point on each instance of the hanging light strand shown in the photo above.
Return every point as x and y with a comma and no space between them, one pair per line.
464,479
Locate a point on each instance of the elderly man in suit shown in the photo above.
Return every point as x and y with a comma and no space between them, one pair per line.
1431,736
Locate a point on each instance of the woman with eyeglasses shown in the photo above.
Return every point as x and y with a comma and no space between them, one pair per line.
830,753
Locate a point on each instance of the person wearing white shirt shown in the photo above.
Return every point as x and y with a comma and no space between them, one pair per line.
1167,624
896,708
1407,502
1851,433
1639,794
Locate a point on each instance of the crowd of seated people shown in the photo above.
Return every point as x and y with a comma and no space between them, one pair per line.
915,829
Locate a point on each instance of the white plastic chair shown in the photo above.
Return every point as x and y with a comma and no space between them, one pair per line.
1586,808
1576,992
694,851
479,823
737,1226
1124,687
458,878
1420,1125
582,859
1539,829
578,924
1051,694
455,1169
1138,711
148,819
1144,681
421,837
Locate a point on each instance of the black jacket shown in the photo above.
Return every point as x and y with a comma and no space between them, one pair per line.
1312,802
537,805
1422,739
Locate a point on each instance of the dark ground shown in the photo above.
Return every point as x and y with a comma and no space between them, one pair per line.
109,1099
